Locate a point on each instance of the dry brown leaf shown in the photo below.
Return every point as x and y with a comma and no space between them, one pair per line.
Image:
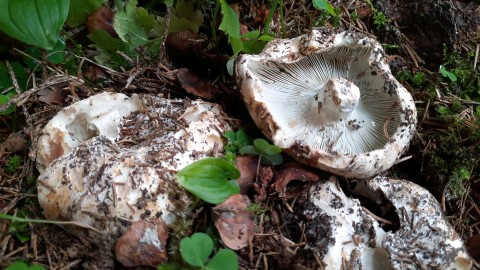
473,247
15,142
54,95
102,19
143,244
195,84
234,222
292,171
247,165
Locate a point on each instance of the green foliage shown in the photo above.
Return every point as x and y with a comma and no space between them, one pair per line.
257,209
19,265
34,55
196,250
230,22
185,16
12,164
134,25
269,153
210,179
324,5
380,21
239,143
417,80
80,10
20,229
34,22
447,74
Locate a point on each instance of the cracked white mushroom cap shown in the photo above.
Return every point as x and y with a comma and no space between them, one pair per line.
344,236
107,184
329,99
97,115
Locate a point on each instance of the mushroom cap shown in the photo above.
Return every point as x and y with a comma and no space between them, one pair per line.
340,231
303,95
107,184
97,115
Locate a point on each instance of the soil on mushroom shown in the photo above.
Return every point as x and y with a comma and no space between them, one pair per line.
418,35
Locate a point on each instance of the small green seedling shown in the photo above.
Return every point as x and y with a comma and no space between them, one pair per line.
323,5
445,73
269,153
12,164
196,250
19,265
236,140
210,179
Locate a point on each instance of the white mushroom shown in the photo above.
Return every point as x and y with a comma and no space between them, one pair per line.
329,99
94,116
108,184
344,236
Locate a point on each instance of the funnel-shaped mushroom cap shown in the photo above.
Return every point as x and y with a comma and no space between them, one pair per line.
329,99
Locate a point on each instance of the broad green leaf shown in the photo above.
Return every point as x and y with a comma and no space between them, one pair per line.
196,249
4,100
265,148
80,10
230,22
224,259
133,24
107,47
34,22
208,179
20,75
242,138
19,265
230,135
185,16
323,5
237,44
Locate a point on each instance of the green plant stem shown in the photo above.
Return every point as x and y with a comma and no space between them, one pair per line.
19,219
282,20
273,8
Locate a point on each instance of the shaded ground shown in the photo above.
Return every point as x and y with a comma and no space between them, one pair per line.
419,35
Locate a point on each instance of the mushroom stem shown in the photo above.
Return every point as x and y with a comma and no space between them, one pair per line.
336,100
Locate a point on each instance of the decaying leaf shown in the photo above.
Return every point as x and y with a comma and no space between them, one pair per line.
247,165
53,95
102,19
234,222
195,84
143,244
292,171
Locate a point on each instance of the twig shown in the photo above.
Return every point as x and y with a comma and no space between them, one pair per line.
377,217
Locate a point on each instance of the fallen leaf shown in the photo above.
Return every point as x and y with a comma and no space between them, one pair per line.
53,95
195,84
265,176
143,244
292,171
247,165
234,222
102,19
15,142
473,246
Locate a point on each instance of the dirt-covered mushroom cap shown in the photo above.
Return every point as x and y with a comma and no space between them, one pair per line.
328,98
107,184
97,115
345,236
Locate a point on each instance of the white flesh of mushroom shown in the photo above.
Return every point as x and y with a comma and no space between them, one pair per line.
107,184
94,116
329,100
345,236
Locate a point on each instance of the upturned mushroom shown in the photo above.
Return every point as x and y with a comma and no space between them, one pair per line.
109,183
329,100
343,235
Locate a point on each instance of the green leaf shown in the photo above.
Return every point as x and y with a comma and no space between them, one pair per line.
80,10
19,265
446,73
230,22
133,24
196,249
323,5
265,148
107,47
276,159
185,16
237,44
34,22
4,100
224,259
248,150
208,179
55,55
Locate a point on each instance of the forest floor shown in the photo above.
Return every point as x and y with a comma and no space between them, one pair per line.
433,48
